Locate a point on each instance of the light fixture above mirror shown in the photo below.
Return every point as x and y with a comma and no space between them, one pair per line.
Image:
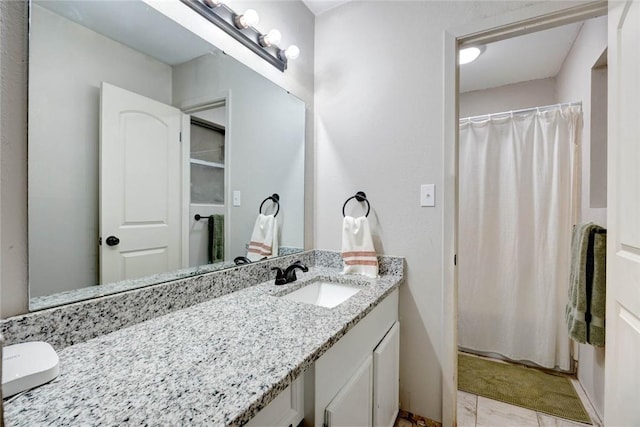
241,26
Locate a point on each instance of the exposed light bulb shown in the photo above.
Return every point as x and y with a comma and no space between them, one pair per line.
292,52
271,38
469,54
248,19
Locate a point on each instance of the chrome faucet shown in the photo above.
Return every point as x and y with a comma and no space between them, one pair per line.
289,274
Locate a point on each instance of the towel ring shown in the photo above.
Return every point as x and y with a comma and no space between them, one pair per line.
361,197
276,199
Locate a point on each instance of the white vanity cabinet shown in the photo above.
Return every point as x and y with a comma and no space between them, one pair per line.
386,378
286,410
352,405
355,383
357,380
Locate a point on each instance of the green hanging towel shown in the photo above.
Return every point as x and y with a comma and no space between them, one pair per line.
585,310
598,288
218,238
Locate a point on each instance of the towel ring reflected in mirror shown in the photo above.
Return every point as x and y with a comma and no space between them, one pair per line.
276,199
361,197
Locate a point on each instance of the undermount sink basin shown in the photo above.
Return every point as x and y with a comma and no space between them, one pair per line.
324,294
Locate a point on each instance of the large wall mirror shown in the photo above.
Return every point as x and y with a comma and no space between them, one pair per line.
136,128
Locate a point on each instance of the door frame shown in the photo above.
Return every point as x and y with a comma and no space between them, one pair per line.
512,24
205,103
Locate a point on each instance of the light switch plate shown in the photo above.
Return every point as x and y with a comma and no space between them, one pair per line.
428,195
236,198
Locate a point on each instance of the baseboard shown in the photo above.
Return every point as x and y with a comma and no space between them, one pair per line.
418,420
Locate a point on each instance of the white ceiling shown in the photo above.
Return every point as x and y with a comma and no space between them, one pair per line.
134,24
321,6
530,57
533,56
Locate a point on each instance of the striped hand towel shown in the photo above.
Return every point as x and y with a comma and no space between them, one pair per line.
264,239
358,253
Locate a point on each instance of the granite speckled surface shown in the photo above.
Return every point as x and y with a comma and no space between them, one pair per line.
89,292
74,323
215,363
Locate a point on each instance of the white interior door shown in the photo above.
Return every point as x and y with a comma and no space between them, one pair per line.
622,359
140,186
352,405
386,379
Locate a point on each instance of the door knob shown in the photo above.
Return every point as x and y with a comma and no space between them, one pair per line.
112,241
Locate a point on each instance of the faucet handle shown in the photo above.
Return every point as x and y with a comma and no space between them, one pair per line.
280,278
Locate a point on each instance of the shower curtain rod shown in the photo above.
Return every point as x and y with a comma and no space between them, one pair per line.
525,110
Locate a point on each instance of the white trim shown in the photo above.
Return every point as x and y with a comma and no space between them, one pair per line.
228,197
522,21
449,195
527,20
185,140
206,105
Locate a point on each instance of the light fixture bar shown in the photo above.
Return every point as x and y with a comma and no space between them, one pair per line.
223,17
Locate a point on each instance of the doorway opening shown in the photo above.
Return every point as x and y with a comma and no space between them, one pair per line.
208,184
536,95
522,145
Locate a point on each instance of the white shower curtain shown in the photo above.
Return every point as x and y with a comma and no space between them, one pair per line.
518,202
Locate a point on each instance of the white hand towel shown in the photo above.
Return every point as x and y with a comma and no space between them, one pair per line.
264,239
358,253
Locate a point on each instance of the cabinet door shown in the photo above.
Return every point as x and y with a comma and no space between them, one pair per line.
352,405
386,378
285,410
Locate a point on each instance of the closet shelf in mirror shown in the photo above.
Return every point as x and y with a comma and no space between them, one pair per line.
205,163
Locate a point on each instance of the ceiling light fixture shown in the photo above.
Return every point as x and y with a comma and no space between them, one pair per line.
242,28
469,54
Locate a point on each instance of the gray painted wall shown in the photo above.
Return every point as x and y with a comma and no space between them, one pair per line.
14,291
379,128
67,64
533,93
264,157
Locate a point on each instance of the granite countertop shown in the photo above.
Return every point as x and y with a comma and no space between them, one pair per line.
215,363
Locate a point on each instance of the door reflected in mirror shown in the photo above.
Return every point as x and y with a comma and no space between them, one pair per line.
136,128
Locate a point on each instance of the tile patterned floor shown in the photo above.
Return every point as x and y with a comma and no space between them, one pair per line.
478,411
